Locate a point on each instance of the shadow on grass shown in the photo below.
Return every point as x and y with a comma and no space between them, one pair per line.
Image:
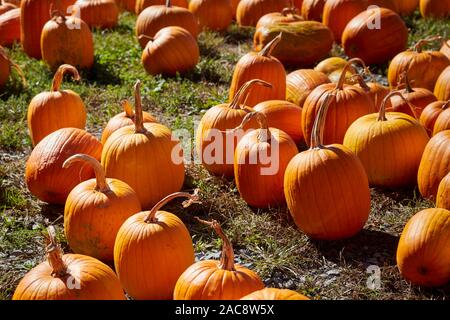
101,75
53,212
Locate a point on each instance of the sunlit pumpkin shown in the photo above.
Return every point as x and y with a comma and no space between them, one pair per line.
101,14
434,8
287,15
274,294
250,11
406,7
142,4
10,27
330,65
442,122
442,88
313,9
214,15
300,83
431,113
443,194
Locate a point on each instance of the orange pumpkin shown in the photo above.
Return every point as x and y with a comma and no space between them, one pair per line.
443,194
442,88
68,277
431,113
406,7
215,15
250,11
423,253
274,294
126,5
234,6
152,250
142,4
330,65
377,92
46,178
446,48
172,50
52,110
287,15
336,177
300,83
434,8
313,9
442,122
6,6
94,211
101,14
10,27
217,280
6,64
260,65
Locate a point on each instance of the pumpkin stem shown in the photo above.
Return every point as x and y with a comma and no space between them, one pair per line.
292,10
319,122
227,258
128,109
446,105
236,103
382,112
340,84
14,66
144,36
264,132
422,42
102,185
55,254
191,198
267,50
168,3
138,115
59,75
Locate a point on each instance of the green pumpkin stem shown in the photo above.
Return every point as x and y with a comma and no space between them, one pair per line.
59,75
319,122
268,49
101,185
350,63
382,112
264,131
191,198
55,254
244,91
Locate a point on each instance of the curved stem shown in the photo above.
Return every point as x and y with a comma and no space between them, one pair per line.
128,109
55,254
264,133
168,3
191,198
242,92
382,112
227,258
292,10
144,36
319,122
267,50
340,84
419,45
14,66
59,75
138,118
100,175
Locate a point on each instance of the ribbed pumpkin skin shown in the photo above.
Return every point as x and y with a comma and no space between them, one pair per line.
442,88
420,98
10,27
155,18
330,65
358,40
142,4
300,83
96,279
101,14
313,9
60,44
46,178
204,280
390,150
442,122
173,50
215,15
286,16
34,14
446,49
435,164
434,8
150,257
443,195
430,114
377,93
127,5
274,294
234,6
423,253
5,69
250,11
406,7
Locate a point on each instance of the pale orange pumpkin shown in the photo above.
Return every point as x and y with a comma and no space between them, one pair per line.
443,194
442,88
300,83
274,294
250,11
442,122
287,15
431,113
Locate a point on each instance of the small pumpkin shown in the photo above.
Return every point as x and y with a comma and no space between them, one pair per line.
154,18
443,194
446,48
423,253
6,65
274,294
152,250
431,113
435,164
406,7
336,177
95,209
250,11
434,8
6,6
10,27
300,83
215,15
103,14
142,4
260,160
389,145
313,9
52,110
442,88
172,50
287,15
330,65
442,122
260,65
68,277
217,280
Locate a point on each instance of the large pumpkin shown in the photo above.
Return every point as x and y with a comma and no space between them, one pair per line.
434,8
152,250
94,211
300,83
423,253
274,294
435,164
6,64
313,9
443,194
142,4
101,14
217,280
442,88
68,277
10,27
389,145
337,179
52,110
361,33
145,157
214,15
260,65
442,122
287,15
431,113
250,11
406,7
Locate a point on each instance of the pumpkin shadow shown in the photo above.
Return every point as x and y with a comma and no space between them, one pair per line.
101,75
53,212
238,35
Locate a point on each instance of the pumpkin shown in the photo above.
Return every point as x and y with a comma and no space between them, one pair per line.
336,177
431,113
215,15
260,65
360,35
287,15
377,92
274,294
14,2
389,145
435,164
423,253
103,14
283,115
302,43
126,5
406,7
446,48
260,160
6,6
52,110
152,250
145,157
443,194
330,65
154,18
214,144
234,6
61,43
124,119
10,27
68,277
300,83
46,178
351,103
442,121
217,280
423,67
34,14
142,4
313,9
434,8
250,11
95,210
6,64
172,50
442,88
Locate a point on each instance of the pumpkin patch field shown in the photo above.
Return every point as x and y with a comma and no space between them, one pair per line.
338,188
